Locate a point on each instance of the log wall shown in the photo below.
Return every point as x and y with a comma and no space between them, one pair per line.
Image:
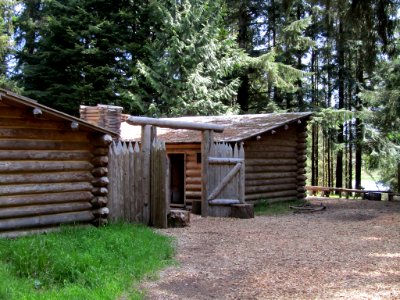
51,173
275,165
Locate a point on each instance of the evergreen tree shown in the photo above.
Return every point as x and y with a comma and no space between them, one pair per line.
193,60
6,43
383,123
79,52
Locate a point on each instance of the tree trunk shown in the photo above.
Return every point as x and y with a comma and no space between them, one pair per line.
359,123
339,156
314,156
243,41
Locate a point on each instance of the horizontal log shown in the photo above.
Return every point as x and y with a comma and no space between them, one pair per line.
301,171
266,182
43,134
48,177
301,165
100,191
270,162
250,155
165,123
193,194
273,169
33,123
34,210
100,151
45,198
45,155
301,189
40,166
301,183
46,220
191,157
223,201
303,135
270,175
100,171
20,233
42,145
301,158
193,180
302,146
193,187
271,195
274,200
301,195
193,173
270,148
100,161
100,181
21,189
102,140
193,166
99,201
301,177
101,212
15,112
270,188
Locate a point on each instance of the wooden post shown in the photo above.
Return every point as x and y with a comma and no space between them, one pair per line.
146,155
242,177
206,143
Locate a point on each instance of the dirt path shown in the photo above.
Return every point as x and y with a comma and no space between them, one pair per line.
349,251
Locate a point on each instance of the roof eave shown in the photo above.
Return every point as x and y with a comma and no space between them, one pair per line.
33,103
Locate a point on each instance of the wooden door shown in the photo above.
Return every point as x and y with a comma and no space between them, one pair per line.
226,174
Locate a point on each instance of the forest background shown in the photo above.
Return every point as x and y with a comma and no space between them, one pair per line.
339,59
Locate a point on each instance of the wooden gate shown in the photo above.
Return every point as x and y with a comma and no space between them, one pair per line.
138,183
226,174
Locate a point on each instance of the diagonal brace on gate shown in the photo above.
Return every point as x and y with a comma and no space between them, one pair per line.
228,177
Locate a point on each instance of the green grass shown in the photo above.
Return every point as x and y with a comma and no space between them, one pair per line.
82,263
265,208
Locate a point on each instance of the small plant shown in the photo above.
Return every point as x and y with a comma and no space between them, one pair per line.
264,207
82,263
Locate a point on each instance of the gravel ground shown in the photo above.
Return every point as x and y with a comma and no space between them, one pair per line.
349,251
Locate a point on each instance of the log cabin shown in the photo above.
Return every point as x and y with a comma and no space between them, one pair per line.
275,154
53,168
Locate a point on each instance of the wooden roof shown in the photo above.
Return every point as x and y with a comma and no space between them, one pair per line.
237,127
17,100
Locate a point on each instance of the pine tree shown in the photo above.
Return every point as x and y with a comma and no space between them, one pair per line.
79,52
6,43
193,61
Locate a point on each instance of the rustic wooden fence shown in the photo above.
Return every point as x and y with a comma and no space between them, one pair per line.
138,183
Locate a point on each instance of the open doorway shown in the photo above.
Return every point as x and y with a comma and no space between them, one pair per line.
177,179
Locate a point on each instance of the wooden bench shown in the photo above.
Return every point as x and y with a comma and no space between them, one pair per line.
326,191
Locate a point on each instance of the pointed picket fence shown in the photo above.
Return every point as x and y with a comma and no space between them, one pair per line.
127,192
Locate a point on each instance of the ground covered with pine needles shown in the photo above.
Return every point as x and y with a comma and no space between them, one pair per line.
351,250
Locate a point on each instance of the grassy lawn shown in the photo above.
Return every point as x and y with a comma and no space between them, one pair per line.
82,263
264,207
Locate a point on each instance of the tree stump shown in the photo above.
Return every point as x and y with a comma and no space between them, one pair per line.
178,218
242,211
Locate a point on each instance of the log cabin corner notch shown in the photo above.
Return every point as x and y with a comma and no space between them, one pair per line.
274,146
53,168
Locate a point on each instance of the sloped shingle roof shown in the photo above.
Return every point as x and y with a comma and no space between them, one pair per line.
237,127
